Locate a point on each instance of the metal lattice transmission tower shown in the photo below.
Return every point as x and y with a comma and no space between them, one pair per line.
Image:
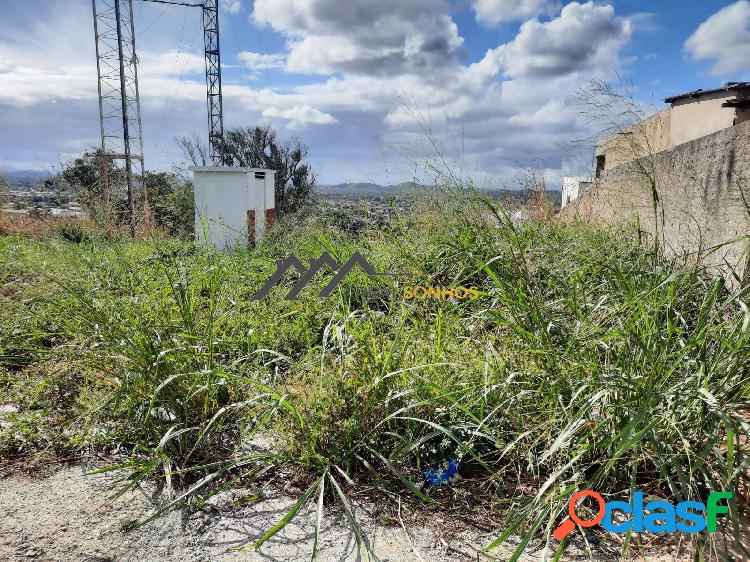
119,100
213,82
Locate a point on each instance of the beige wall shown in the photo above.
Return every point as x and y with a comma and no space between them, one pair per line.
687,120
702,187
648,137
692,119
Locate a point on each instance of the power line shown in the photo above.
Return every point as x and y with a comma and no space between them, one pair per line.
175,3
153,22
247,71
165,113
262,51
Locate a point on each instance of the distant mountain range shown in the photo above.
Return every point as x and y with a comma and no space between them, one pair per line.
23,178
368,189
32,178
360,187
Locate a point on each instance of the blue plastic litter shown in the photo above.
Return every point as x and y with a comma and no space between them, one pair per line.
437,476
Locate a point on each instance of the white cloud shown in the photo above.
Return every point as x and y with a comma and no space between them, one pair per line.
493,12
512,105
299,116
723,38
170,63
259,61
362,36
23,86
322,54
583,37
6,65
232,6
554,112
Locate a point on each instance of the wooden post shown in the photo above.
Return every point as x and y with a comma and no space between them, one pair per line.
107,212
251,228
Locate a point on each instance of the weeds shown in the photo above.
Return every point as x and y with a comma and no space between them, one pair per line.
587,363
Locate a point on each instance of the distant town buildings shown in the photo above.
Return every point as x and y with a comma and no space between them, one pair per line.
27,198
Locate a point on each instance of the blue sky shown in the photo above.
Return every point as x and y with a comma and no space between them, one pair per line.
377,90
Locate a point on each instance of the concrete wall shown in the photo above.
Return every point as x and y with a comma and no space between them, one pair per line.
233,206
700,184
692,118
647,137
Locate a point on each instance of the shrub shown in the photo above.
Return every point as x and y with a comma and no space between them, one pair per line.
72,232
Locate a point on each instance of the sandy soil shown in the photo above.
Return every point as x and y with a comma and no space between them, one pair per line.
67,516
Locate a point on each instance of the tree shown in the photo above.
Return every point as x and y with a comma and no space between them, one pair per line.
258,147
195,151
81,179
170,196
171,202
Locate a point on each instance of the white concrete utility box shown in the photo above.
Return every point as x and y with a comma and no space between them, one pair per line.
234,207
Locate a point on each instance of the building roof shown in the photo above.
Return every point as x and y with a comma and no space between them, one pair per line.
729,87
738,103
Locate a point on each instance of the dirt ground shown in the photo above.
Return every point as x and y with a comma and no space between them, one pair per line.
67,516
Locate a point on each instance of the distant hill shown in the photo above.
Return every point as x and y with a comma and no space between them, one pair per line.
368,189
360,188
353,185
26,178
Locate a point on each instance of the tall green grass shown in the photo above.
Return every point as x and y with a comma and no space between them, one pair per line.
587,363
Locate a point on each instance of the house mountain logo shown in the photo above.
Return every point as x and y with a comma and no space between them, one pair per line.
316,265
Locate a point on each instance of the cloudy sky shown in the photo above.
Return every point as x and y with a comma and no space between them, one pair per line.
363,81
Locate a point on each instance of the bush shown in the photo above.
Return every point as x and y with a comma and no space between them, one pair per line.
74,233
172,204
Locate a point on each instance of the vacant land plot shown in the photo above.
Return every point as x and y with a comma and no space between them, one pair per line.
585,361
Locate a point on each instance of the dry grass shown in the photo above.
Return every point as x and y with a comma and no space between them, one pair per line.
37,225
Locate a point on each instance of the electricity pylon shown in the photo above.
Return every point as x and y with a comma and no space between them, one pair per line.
119,100
213,82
